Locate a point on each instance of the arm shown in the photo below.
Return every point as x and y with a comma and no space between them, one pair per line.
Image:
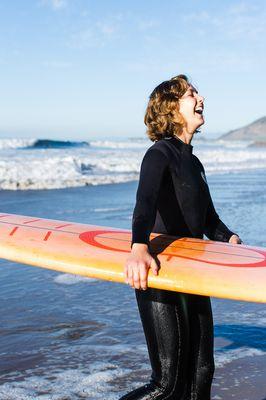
140,260
152,169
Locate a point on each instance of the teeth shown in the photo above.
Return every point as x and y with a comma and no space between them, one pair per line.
199,110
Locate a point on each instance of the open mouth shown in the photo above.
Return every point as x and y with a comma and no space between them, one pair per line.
199,110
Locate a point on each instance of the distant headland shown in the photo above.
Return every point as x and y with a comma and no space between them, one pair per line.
254,132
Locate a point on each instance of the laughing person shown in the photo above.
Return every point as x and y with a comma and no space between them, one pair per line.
173,198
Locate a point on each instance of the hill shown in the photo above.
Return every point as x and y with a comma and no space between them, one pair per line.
255,132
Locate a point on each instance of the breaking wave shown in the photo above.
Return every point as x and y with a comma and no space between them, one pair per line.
41,164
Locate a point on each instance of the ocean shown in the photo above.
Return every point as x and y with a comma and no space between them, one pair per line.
65,337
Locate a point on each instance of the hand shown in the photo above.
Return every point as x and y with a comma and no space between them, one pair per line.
234,239
137,266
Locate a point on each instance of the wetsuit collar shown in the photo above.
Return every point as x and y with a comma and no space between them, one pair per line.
184,147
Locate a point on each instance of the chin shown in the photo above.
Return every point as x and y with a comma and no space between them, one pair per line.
200,124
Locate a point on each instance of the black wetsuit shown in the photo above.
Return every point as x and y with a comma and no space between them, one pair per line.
173,198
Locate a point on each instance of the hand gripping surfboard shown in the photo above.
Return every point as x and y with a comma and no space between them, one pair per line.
186,265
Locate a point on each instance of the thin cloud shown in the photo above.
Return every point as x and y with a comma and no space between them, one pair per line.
240,21
54,4
97,34
202,17
243,7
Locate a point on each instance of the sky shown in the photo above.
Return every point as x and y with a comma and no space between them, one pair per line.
77,69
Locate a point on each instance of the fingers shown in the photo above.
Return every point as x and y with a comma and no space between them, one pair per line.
136,271
136,275
143,278
132,276
154,267
136,278
126,273
129,275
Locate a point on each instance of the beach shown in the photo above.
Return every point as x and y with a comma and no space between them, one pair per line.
64,337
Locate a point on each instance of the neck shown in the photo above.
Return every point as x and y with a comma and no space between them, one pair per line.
186,136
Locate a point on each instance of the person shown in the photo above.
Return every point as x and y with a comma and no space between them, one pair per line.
173,198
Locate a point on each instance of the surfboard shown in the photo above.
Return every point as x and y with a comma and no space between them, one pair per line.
186,265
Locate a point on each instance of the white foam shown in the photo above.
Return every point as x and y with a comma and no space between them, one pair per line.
56,173
109,209
233,143
15,143
246,318
226,357
229,160
70,279
94,383
73,167
125,144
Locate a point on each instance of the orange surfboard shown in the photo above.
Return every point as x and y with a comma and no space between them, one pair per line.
186,265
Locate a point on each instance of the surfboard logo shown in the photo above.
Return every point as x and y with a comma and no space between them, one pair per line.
119,241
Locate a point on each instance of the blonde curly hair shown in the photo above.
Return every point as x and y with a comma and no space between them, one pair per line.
162,116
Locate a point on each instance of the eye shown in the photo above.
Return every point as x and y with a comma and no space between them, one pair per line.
188,93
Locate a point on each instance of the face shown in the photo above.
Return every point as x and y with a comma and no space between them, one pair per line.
191,107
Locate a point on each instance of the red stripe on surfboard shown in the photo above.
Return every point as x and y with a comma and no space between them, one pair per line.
32,220
13,231
47,235
62,226
90,237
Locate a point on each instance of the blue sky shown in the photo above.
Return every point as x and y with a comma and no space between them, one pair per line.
82,68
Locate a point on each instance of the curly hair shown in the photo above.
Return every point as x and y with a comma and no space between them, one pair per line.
162,116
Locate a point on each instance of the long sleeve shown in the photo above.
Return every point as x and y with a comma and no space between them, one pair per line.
215,229
152,169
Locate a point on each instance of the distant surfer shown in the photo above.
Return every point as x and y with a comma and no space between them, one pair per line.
173,198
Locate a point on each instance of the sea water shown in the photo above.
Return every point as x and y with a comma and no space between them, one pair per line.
64,337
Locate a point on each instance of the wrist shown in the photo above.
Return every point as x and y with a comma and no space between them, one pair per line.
139,246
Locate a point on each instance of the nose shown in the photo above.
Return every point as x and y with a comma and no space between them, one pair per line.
201,98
